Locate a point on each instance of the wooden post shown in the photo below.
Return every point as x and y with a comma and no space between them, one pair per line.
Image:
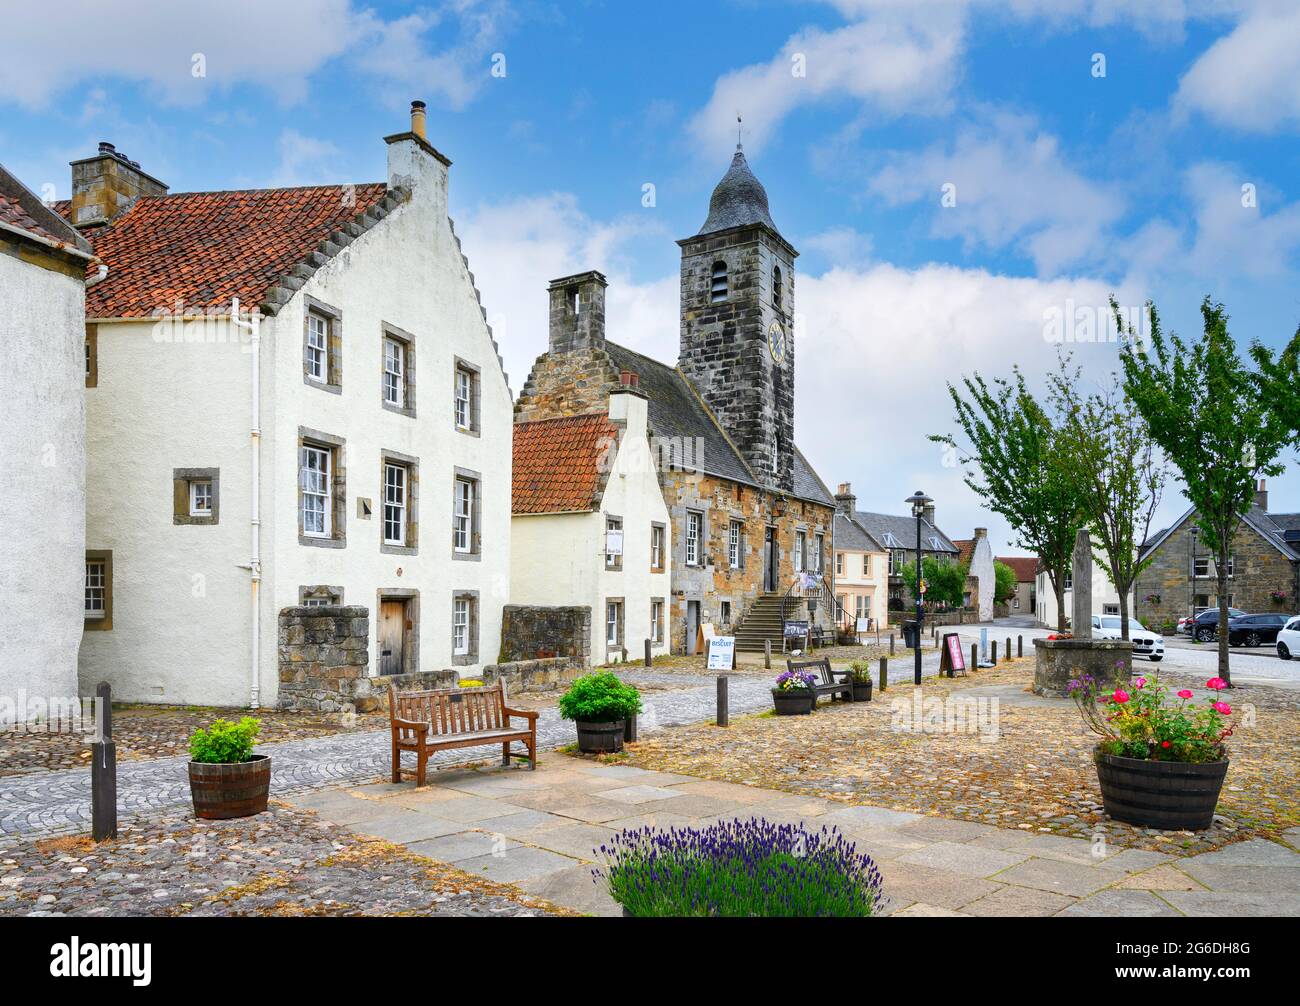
993,652
884,673
974,655
1020,646
891,644
767,653
648,659
1008,656
723,718
629,728
103,769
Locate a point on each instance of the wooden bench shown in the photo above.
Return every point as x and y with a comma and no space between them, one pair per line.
443,718
832,682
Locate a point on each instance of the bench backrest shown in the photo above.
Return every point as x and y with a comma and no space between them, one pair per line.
451,710
822,667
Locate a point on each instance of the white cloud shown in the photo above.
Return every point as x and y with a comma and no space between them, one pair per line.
1247,80
305,160
277,46
1012,186
1257,241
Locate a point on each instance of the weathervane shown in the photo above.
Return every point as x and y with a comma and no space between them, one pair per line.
739,128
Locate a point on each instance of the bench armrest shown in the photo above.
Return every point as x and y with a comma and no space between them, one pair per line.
526,714
419,726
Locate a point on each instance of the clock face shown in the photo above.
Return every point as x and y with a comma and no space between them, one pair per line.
776,341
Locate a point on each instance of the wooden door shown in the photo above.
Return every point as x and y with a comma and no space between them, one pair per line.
392,636
769,560
692,625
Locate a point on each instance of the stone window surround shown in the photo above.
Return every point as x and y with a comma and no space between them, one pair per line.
621,645
617,565
333,346
472,657
104,555
92,355
475,553
701,540
657,626
313,590
663,538
739,564
181,479
338,519
475,396
411,636
407,341
412,465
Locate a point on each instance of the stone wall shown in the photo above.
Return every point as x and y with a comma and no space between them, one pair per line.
324,656
530,632
1109,662
1258,569
568,384
519,676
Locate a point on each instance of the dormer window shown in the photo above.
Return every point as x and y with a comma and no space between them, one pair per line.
718,283
776,287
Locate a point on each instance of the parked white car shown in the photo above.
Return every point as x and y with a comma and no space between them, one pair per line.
1288,640
1145,642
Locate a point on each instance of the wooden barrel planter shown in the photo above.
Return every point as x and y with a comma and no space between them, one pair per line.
793,701
600,738
1169,795
862,691
230,789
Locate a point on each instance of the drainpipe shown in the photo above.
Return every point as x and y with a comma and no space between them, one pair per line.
254,567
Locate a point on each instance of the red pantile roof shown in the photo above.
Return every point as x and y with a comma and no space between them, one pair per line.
14,215
965,549
557,463
1025,566
203,248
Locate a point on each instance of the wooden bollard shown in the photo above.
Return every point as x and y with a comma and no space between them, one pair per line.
724,719
1020,646
649,660
884,673
993,652
629,728
103,770
767,653
974,655
1008,656
891,644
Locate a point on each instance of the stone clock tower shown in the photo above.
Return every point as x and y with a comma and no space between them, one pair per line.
737,319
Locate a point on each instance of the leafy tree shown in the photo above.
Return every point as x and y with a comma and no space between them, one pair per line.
1016,461
1118,474
1219,422
1004,582
945,582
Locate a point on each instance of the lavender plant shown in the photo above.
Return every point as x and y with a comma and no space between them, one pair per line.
738,869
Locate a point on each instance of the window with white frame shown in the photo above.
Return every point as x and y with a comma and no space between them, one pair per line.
1231,564
316,467
460,626
724,612
201,498
317,356
656,621
1110,609
396,483
694,528
613,543
866,565
614,623
733,544
819,542
96,588
394,372
463,515
862,606
656,546
1201,565
839,563
465,398
800,544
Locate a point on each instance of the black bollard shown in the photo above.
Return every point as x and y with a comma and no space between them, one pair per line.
629,728
649,660
891,644
974,656
103,769
724,718
1020,646
993,652
884,673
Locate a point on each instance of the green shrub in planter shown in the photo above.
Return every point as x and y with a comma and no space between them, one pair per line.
599,698
225,743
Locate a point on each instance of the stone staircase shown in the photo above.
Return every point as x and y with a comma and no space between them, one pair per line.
763,621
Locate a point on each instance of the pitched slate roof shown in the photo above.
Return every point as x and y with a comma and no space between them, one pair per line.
852,537
557,463
675,411
901,531
203,248
1024,566
1269,526
22,210
738,200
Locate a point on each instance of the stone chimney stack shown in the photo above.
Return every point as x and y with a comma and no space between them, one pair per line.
927,512
106,184
1261,496
845,501
577,312
981,532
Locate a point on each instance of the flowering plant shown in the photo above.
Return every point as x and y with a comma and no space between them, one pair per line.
1152,599
738,868
788,680
1146,723
1278,596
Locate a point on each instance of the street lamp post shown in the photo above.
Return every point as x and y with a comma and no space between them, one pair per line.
919,501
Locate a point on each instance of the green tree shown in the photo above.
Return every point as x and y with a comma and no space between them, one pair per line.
1015,460
1118,473
1219,422
1004,582
944,581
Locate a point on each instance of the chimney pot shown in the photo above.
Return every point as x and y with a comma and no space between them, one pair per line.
1261,496
105,147
106,184
417,119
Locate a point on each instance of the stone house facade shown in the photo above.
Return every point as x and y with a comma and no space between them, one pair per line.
43,376
747,511
343,439
1182,579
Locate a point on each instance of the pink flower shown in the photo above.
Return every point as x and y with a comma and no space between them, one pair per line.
1216,684
1120,696
1141,682
1223,707
1164,744
1185,694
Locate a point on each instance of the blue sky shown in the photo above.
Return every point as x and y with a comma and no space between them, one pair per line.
1069,185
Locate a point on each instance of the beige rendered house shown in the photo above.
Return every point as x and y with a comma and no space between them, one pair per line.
861,570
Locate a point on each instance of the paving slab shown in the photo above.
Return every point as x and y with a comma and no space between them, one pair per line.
654,820
1136,860
873,816
574,888
920,910
942,829
1018,902
1166,877
520,821
1252,852
1244,879
577,840
967,860
594,811
1121,904
1216,903
909,882
729,791
472,809
517,864
402,826
1060,877
1069,850
637,794
341,807
463,845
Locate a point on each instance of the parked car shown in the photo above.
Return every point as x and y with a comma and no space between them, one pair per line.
1255,630
1205,626
1145,642
1288,640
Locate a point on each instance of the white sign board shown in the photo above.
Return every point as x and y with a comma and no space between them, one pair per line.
614,541
722,653
864,625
